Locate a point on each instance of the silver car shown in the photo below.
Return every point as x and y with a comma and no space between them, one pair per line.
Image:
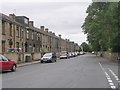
49,57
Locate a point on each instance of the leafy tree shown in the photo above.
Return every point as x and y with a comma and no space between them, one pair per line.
102,26
85,47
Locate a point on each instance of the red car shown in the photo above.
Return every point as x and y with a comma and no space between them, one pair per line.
7,64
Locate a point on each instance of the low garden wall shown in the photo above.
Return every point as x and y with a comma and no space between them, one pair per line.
111,56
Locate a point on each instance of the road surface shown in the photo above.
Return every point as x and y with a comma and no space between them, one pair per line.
84,71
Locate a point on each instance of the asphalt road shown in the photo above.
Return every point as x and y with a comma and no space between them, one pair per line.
85,71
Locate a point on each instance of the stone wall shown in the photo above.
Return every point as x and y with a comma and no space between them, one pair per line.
20,57
111,56
36,56
17,57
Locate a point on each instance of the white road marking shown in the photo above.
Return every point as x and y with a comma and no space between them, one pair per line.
112,72
108,78
115,76
102,67
112,84
113,87
106,74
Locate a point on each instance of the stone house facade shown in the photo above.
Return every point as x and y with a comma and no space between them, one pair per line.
21,41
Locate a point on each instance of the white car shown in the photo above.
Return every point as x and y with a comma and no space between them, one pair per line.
81,53
93,52
64,55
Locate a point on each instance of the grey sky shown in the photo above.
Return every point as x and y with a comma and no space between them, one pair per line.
65,18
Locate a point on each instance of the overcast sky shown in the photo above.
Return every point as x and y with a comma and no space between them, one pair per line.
63,17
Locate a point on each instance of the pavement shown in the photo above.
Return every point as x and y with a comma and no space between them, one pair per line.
27,63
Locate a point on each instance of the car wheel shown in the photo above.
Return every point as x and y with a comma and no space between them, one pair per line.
41,61
13,68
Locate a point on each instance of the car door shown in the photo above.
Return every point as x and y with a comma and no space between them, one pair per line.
54,57
0,63
6,64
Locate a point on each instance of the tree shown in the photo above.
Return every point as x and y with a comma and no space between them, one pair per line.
101,26
85,47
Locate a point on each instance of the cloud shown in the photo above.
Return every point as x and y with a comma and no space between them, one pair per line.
46,1
64,18
79,37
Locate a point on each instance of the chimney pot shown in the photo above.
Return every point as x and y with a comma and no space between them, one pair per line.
31,23
42,28
59,35
46,29
12,16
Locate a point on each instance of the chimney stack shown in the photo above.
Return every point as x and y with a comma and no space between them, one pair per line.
59,35
50,32
31,23
12,16
46,30
53,33
42,28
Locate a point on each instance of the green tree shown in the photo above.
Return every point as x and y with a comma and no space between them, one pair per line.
101,26
85,47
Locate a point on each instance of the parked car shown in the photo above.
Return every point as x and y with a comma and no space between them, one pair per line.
70,54
93,52
49,57
81,53
7,64
76,54
73,54
64,55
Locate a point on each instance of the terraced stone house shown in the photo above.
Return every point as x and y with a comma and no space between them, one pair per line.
21,41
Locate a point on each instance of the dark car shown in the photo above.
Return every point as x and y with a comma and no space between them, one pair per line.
49,57
7,64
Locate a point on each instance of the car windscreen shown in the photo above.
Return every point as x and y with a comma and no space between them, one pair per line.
0,58
47,55
3,58
63,53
